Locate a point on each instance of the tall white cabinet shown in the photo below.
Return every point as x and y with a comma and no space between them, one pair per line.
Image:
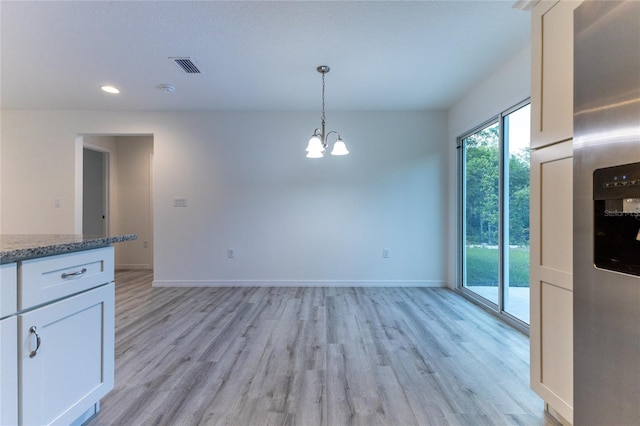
551,324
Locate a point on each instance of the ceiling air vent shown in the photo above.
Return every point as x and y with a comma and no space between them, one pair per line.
186,65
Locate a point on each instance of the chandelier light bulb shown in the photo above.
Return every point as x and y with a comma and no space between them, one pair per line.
339,148
315,154
315,144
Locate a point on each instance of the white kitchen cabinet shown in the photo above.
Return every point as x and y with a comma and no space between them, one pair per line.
551,274
66,356
57,322
8,371
8,345
551,271
57,327
552,72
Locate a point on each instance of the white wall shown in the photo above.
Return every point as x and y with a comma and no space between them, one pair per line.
38,165
291,220
134,213
506,87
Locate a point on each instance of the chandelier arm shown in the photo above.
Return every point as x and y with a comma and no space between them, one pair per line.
332,131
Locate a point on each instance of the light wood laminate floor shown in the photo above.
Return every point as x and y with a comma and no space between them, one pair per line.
313,356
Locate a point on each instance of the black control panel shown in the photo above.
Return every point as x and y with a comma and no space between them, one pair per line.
617,182
616,221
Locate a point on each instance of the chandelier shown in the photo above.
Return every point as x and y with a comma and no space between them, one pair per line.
319,140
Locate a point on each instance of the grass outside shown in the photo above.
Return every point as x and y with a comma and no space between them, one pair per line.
482,266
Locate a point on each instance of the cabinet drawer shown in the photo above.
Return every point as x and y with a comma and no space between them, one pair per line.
8,289
46,279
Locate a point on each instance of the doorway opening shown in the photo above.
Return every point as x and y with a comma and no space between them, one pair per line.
114,181
95,192
494,214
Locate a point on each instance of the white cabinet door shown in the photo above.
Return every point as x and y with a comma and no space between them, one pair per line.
551,325
9,371
8,345
552,72
67,357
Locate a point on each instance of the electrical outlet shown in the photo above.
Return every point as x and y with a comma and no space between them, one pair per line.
231,253
180,202
58,202
385,253
145,244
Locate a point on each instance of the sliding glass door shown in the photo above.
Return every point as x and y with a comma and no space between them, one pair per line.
494,212
516,127
481,188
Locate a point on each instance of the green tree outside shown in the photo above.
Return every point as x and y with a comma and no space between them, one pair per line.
482,210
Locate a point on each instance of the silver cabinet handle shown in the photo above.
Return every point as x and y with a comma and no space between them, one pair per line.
73,274
34,330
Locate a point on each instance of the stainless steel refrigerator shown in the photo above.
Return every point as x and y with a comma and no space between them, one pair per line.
606,212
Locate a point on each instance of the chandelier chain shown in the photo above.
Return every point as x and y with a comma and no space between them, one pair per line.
323,116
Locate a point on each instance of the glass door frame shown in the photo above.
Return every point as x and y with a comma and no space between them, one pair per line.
503,206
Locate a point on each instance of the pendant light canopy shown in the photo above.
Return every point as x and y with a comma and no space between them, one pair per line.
319,140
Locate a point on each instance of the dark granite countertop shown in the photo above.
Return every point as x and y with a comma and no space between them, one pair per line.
14,247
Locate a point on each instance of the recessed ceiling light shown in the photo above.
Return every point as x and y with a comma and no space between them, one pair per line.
110,89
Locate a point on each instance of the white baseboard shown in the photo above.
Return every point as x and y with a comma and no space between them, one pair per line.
125,266
299,283
552,411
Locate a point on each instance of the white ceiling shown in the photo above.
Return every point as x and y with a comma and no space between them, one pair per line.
254,55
